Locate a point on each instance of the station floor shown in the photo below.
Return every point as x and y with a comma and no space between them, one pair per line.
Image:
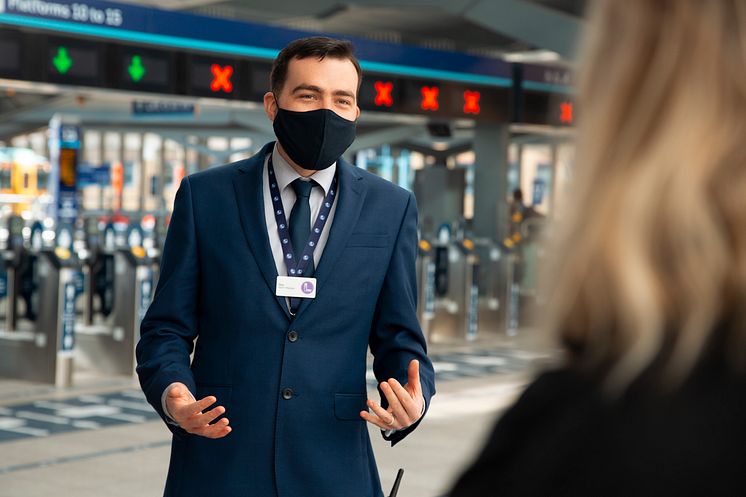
100,438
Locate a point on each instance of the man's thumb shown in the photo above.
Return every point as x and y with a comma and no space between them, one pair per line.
177,391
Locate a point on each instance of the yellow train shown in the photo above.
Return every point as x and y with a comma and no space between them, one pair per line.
23,180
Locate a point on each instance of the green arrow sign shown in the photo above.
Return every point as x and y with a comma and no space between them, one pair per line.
62,61
136,69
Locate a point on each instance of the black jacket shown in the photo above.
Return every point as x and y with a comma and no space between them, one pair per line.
565,438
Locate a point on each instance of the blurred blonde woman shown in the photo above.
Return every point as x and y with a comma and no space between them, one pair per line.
650,279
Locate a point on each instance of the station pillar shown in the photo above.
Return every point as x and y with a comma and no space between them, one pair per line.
490,181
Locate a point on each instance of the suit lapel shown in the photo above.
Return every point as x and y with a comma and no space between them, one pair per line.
249,188
349,203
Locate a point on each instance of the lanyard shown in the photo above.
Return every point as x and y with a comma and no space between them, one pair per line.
297,266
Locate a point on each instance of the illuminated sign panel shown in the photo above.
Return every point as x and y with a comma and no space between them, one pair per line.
547,108
214,77
10,61
71,62
383,93
471,102
429,98
145,69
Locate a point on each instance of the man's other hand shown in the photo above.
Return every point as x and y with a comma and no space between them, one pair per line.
185,410
406,403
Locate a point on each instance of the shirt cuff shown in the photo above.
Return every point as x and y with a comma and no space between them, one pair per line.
169,419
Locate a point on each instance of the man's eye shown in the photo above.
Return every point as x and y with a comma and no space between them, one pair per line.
343,102
308,97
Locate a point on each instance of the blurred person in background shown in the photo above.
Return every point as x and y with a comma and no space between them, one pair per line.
649,296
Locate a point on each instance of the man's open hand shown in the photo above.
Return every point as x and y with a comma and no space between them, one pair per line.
405,402
185,410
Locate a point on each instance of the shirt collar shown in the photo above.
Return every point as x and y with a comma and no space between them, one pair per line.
285,173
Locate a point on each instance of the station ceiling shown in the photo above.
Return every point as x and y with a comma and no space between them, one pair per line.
484,27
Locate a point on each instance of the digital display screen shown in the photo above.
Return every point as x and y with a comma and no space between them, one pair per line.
214,77
258,81
70,62
552,109
379,93
146,70
10,61
454,100
68,167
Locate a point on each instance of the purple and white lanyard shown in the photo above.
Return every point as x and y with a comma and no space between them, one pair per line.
297,266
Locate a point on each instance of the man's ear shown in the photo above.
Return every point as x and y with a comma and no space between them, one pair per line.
270,105
358,112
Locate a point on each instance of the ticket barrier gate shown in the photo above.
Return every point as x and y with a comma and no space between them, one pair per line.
119,288
491,286
456,309
425,287
38,346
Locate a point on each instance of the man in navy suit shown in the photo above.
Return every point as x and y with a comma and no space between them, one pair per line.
283,269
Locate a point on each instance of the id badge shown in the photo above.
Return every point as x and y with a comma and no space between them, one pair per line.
292,286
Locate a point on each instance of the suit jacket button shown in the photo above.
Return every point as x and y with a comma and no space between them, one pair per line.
287,393
293,336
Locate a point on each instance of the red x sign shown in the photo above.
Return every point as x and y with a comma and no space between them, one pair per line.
471,102
221,78
566,112
429,98
383,93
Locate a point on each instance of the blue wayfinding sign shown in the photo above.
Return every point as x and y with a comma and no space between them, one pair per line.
64,146
162,108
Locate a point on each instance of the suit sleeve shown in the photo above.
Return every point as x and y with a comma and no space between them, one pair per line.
396,337
168,330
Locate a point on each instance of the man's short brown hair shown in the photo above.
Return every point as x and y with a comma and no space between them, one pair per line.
316,46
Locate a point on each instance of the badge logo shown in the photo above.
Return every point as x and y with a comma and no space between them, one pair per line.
307,287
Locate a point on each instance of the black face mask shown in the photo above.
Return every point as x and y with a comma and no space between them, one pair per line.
314,139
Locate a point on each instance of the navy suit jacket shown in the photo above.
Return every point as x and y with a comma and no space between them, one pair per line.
217,287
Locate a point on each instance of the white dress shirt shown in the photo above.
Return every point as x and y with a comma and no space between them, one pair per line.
285,175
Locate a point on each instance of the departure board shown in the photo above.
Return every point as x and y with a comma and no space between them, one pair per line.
537,94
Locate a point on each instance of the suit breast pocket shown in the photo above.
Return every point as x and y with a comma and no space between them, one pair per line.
368,240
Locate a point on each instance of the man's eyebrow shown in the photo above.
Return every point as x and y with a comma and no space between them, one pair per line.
317,89
307,88
345,93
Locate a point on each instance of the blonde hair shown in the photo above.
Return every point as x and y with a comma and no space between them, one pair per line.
653,257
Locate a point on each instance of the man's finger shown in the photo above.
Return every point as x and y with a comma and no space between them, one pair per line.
395,404
374,420
413,380
209,416
203,404
406,400
218,430
386,417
